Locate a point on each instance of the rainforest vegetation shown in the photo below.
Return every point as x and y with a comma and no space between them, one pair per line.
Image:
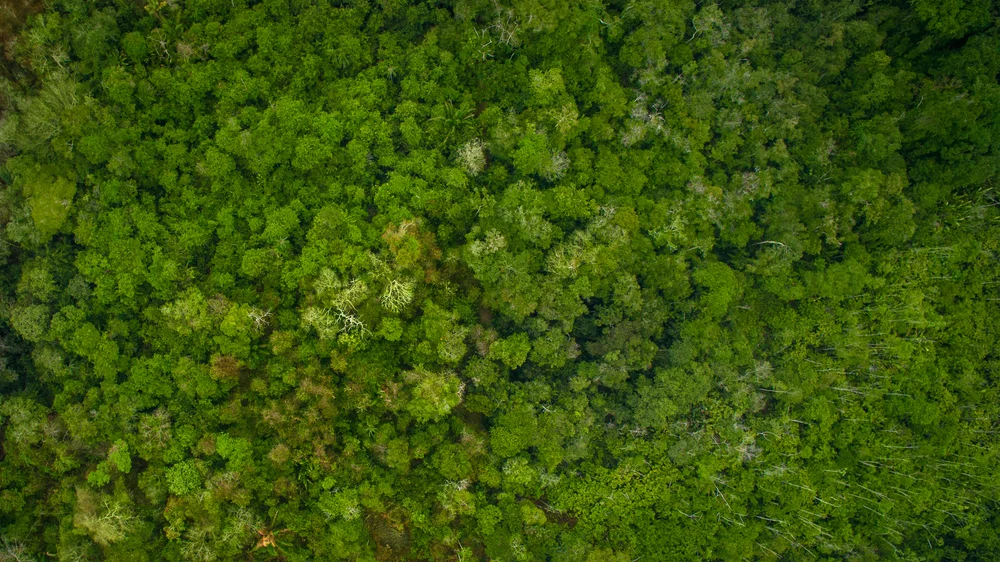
509,280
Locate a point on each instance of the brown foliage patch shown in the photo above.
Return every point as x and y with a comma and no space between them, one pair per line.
390,534
13,15
225,367
414,248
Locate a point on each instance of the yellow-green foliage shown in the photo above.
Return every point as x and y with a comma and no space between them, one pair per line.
50,198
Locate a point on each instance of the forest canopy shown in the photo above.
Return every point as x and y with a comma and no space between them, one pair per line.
510,280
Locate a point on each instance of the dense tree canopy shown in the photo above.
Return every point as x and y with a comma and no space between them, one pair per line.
506,280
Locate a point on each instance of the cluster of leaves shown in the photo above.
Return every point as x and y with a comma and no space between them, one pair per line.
501,279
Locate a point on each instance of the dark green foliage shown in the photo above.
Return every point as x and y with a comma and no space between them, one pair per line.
500,280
